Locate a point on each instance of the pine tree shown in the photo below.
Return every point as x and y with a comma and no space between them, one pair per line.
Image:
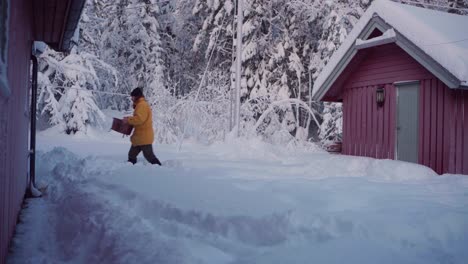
131,42
166,46
65,85
79,110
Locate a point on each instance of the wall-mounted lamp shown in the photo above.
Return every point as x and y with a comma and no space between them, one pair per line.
380,95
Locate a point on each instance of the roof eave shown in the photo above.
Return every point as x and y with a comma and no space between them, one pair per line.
349,55
375,23
74,9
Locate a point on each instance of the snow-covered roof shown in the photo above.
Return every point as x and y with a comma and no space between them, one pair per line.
439,37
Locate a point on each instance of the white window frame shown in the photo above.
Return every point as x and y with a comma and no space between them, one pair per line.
4,31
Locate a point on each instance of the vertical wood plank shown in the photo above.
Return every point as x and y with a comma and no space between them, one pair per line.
381,133
358,121
427,123
447,130
465,134
386,119
352,133
433,116
392,131
343,135
346,138
389,121
370,120
452,135
356,125
378,124
369,123
385,123
361,121
375,126
352,107
440,126
365,126
459,132
350,121
439,117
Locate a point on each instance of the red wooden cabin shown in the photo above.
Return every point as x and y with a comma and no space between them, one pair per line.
21,23
402,76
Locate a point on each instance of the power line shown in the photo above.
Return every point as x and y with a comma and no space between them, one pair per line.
93,91
126,7
143,5
433,5
444,43
130,8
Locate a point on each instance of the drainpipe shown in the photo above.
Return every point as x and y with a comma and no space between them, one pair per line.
32,151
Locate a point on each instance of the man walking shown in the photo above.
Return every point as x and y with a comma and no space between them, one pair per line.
143,134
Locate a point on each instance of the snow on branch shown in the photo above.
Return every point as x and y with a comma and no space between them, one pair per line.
287,102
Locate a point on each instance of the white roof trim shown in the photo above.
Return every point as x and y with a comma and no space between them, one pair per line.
388,36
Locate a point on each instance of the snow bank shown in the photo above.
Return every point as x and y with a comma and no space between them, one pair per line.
399,171
238,202
256,148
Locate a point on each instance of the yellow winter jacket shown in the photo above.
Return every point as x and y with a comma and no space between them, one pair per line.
142,120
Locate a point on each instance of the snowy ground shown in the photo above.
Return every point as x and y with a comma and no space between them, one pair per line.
236,202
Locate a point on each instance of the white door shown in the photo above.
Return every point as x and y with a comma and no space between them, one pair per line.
407,121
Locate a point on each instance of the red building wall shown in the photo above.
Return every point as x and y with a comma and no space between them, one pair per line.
369,130
443,127
14,122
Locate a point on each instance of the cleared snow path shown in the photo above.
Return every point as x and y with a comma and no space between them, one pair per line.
243,202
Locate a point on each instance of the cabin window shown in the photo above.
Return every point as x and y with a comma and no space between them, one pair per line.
4,12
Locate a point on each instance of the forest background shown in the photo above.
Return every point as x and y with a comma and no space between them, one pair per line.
182,53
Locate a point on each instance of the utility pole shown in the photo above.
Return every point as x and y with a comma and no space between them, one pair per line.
240,19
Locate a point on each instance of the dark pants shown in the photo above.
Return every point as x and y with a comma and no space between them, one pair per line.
147,153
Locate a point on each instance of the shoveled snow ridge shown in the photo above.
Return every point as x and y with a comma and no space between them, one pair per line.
212,204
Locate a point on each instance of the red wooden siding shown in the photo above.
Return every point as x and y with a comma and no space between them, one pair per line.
465,128
444,143
369,130
14,123
386,64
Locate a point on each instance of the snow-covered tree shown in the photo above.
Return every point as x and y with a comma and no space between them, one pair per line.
79,110
168,46
47,102
65,86
331,129
131,42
